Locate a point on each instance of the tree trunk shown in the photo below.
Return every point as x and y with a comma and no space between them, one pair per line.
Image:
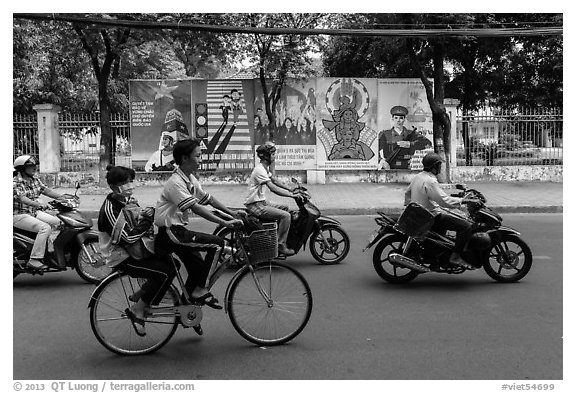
267,106
466,137
106,140
441,125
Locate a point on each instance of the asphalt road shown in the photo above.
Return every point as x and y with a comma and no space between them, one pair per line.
438,327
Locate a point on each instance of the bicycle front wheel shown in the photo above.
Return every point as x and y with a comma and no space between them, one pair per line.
112,327
279,318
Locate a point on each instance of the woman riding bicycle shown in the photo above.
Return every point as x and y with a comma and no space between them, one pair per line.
158,270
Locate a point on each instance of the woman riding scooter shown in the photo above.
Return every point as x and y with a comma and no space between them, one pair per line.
27,209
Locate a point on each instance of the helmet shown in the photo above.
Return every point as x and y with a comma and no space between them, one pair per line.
265,150
23,161
479,241
431,159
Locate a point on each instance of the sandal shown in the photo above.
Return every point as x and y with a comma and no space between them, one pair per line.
207,299
137,323
198,330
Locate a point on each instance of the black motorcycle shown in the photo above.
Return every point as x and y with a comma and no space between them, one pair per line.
409,246
328,242
75,246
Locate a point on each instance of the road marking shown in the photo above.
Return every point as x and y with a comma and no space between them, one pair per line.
545,257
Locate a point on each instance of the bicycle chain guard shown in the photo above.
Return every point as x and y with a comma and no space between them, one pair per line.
190,314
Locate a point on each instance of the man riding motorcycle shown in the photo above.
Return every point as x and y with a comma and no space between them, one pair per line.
256,203
425,190
27,211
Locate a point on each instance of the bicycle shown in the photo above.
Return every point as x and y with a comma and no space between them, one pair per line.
268,302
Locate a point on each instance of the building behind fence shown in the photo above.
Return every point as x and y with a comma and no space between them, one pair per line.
529,136
497,138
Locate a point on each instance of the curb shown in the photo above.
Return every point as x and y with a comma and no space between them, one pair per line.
397,210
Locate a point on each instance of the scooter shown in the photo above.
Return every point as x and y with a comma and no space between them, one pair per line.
409,246
328,242
75,246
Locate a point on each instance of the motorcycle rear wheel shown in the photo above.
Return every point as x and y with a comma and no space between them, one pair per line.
388,271
338,245
512,255
88,271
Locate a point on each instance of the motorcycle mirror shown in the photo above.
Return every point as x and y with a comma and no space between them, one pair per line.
294,181
460,186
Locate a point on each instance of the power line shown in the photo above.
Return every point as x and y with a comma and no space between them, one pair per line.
422,33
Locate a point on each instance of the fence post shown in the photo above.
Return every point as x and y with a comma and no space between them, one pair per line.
48,138
451,105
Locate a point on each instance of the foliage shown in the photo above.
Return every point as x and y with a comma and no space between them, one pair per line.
49,67
278,57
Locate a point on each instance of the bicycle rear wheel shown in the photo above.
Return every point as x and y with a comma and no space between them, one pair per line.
112,327
275,322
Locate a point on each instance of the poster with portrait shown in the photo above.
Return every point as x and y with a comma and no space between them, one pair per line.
347,139
296,124
160,116
405,135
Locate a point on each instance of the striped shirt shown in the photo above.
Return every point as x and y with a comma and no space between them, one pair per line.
28,187
180,193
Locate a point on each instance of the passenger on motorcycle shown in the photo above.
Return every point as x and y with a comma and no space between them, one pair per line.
425,190
183,193
158,270
256,203
27,209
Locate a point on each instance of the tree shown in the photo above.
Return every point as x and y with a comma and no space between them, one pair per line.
49,67
278,57
203,54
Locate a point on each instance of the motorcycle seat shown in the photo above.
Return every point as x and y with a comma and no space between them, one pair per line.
29,234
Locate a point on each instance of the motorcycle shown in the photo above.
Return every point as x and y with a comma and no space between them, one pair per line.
328,242
409,246
75,245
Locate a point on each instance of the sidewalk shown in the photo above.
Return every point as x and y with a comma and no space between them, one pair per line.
360,198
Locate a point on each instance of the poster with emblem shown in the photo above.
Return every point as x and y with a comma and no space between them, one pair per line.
405,135
347,139
160,116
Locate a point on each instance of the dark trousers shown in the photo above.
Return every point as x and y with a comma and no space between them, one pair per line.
450,222
187,244
159,272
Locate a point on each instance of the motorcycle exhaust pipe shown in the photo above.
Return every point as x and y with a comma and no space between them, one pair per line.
407,262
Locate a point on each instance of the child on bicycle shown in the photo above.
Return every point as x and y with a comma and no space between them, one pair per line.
158,271
183,193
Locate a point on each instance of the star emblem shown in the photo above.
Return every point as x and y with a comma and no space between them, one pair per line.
164,91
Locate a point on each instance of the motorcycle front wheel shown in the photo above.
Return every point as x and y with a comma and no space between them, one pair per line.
509,260
90,265
336,249
387,270
226,234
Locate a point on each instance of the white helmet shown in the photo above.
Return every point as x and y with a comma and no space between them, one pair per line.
24,160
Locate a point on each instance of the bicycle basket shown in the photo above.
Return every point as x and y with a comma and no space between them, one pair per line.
415,221
262,245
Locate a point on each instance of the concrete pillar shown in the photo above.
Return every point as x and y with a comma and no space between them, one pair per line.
451,105
48,137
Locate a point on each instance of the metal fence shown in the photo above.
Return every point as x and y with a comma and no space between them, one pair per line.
79,139
25,135
496,137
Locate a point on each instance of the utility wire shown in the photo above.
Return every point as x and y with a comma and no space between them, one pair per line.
477,32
